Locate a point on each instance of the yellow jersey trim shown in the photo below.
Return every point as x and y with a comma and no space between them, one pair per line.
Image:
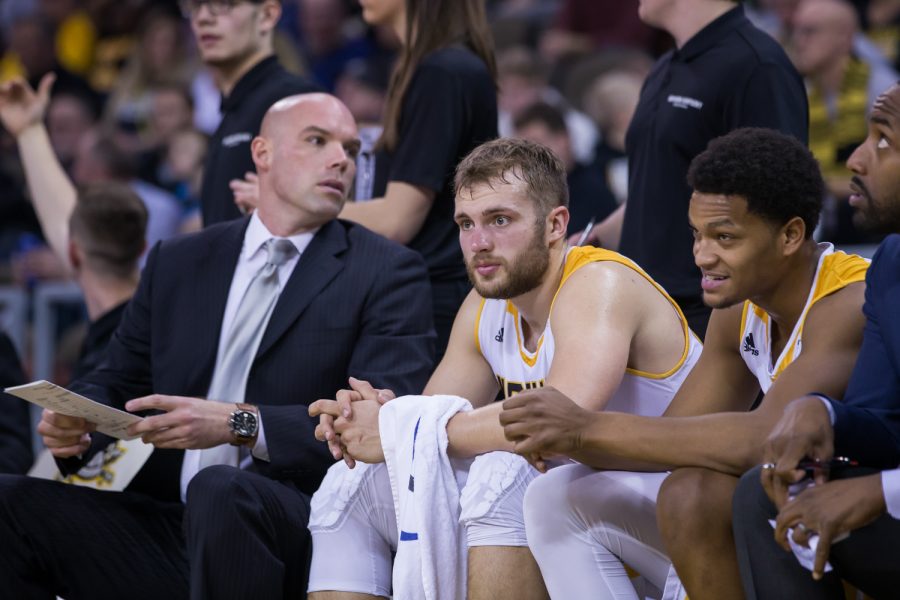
583,255
523,352
478,327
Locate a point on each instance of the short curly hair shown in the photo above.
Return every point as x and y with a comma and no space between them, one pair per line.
774,172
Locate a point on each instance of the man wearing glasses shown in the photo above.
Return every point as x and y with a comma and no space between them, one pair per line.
234,38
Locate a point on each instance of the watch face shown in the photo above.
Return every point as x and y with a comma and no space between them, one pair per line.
243,423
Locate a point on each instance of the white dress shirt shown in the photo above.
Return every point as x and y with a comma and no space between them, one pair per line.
251,260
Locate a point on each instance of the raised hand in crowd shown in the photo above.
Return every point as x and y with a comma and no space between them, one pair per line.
21,106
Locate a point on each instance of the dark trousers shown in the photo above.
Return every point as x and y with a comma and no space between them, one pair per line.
240,535
869,558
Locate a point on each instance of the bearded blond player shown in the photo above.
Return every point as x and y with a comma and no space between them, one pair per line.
583,319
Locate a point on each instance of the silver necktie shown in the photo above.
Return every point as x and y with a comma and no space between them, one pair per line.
230,377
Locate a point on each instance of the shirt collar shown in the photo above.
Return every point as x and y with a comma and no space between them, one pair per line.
711,34
257,235
247,84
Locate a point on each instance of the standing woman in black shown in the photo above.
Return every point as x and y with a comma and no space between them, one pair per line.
442,103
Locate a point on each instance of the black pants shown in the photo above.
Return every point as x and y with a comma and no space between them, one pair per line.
240,535
869,558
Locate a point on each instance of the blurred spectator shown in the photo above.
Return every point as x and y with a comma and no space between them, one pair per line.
611,101
678,113
31,56
441,104
116,22
106,241
160,58
585,25
329,39
590,200
522,81
881,24
842,87
362,86
235,43
181,173
69,118
100,159
75,33
15,421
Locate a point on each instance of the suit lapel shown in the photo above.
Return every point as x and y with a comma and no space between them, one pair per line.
214,274
316,268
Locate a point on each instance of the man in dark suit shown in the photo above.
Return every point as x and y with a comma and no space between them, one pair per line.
351,304
15,424
863,502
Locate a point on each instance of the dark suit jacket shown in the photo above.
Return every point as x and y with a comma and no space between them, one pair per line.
356,304
867,423
15,423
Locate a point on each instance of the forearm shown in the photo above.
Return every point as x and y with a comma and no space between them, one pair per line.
726,442
377,216
609,231
476,432
52,193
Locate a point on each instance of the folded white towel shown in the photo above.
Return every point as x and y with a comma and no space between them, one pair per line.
431,553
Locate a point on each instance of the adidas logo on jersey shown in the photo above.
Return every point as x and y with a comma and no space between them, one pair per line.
499,336
749,346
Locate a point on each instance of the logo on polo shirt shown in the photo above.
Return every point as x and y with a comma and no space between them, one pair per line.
684,102
230,141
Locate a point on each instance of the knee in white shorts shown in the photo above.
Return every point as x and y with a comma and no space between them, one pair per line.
491,501
353,523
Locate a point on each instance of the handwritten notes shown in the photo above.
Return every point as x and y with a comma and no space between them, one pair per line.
109,420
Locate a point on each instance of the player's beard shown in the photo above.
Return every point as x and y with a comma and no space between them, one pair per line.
524,273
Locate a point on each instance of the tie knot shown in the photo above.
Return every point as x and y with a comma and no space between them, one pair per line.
279,251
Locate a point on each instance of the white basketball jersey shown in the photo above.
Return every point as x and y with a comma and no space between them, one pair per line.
834,271
498,335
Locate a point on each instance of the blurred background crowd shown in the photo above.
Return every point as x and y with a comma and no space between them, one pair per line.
133,103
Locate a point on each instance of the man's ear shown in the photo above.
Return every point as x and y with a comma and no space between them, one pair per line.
261,152
558,223
269,15
793,234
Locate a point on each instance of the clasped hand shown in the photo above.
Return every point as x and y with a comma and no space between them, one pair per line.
543,423
349,423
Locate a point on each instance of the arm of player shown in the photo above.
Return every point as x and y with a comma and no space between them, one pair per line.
22,111
462,372
596,313
545,421
398,216
732,442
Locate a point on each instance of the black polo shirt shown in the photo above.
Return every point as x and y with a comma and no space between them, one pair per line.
729,75
228,156
93,350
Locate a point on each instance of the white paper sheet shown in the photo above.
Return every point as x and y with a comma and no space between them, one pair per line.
111,421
